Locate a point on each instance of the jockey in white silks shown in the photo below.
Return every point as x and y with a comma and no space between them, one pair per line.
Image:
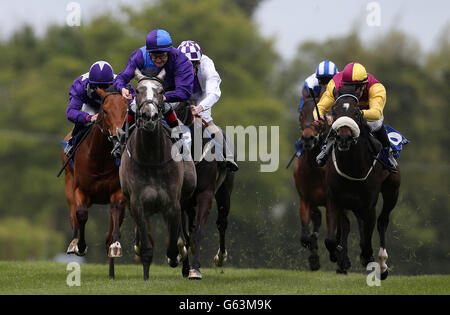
206,93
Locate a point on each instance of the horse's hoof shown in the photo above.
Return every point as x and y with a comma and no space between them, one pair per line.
305,241
81,253
115,250
182,250
384,275
341,271
73,246
314,262
195,274
366,261
173,262
221,258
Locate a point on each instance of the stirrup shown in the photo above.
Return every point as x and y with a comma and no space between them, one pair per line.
68,149
322,157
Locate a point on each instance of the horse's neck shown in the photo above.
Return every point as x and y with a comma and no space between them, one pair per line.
97,144
357,161
151,146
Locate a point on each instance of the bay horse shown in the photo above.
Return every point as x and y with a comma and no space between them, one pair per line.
310,182
152,178
214,181
94,177
355,180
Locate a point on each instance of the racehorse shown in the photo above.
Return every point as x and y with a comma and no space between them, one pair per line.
213,181
355,180
310,182
152,178
94,178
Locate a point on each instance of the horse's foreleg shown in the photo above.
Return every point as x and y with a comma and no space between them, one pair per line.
305,218
330,240
390,192
368,225
204,203
176,251
143,245
341,250
116,215
223,197
81,212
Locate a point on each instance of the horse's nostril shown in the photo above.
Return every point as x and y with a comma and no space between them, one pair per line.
154,116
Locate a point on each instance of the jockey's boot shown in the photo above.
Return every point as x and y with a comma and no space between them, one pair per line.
322,157
185,141
230,162
119,146
382,136
69,148
226,154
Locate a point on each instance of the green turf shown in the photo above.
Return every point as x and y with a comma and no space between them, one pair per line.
50,278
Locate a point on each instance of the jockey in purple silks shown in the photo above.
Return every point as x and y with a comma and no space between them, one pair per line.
158,53
84,102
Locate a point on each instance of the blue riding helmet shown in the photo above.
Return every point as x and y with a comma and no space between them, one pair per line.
158,40
101,72
326,69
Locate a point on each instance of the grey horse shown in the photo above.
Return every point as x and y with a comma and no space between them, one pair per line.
152,178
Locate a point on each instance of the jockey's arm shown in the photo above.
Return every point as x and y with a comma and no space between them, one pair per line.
326,101
136,61
377,100
212,87
73,112
184,82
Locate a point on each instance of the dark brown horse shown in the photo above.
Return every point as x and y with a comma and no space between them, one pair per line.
214,181
355,180
153,178
310,182
94,179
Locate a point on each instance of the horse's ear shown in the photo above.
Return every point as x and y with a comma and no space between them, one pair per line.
162,74
138,74
100,93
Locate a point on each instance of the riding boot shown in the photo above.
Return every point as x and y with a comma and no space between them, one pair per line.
223,147
70,145
185,141
382,136
119,146
322,157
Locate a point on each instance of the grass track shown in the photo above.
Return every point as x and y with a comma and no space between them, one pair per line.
50,278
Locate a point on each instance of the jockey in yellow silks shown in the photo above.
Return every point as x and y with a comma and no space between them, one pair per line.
372,99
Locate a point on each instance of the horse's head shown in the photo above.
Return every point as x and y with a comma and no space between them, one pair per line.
347,120
112,113
311,133
149,99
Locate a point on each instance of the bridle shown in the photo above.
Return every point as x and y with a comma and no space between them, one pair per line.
334,159
140,121
103,112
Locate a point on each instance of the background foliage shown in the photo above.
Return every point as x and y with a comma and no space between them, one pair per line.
258,89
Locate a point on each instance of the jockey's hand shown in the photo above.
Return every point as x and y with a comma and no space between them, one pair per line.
196,109
126,94
94,118
318,123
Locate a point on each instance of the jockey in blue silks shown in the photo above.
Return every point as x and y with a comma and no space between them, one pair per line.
158,53
324,73
84,102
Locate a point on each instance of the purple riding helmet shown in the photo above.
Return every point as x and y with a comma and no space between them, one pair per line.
191,49
101,72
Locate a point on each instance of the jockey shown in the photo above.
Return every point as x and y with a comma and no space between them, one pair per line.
324,73
372,99
206,93
84,102
158,53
